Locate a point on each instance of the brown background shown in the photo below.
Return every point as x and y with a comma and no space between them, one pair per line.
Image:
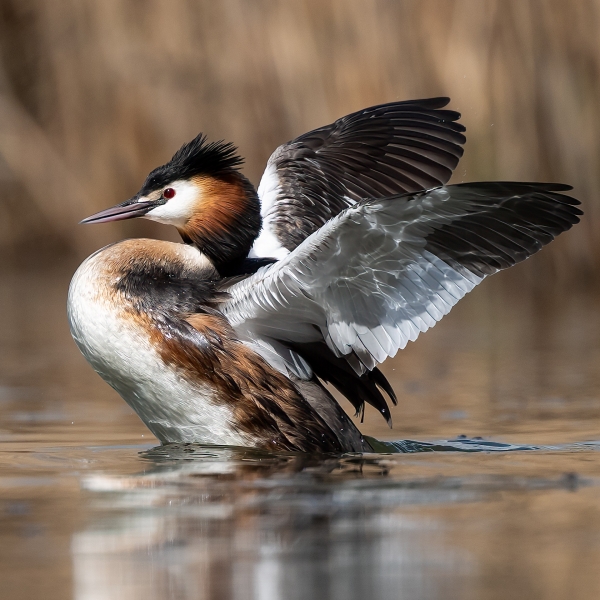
94,94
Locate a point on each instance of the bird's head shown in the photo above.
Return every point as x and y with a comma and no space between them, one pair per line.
202,193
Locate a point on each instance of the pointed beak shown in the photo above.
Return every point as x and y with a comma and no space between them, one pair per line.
126,210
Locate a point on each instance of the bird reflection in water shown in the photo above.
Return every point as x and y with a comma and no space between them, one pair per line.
231,523
218,522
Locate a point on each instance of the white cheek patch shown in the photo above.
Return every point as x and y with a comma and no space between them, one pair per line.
178,210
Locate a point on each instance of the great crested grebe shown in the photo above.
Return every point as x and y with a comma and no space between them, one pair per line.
352,246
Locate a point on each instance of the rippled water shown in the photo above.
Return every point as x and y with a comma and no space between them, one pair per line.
91,509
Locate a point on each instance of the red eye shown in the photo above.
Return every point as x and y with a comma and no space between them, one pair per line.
169,193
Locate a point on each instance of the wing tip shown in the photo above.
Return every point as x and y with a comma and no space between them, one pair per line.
434,102
517,187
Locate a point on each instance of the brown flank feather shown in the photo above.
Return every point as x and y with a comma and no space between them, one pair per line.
266,405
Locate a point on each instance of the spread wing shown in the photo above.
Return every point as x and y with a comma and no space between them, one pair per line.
385,270
376,152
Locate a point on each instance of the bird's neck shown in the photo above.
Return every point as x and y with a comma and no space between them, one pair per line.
228,222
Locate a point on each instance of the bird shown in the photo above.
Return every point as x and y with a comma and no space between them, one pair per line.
353,245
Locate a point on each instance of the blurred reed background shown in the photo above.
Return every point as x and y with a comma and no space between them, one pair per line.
95,93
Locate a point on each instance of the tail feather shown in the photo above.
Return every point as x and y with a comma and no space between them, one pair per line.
357,389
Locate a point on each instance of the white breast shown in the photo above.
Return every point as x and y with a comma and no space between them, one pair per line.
173,408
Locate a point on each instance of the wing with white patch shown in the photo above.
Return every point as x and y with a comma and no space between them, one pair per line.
383,271
374,153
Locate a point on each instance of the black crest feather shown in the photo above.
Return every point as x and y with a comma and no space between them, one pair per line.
195,158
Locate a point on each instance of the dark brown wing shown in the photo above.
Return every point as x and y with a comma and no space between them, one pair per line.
373,153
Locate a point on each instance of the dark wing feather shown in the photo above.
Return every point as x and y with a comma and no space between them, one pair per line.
373,153
358,389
